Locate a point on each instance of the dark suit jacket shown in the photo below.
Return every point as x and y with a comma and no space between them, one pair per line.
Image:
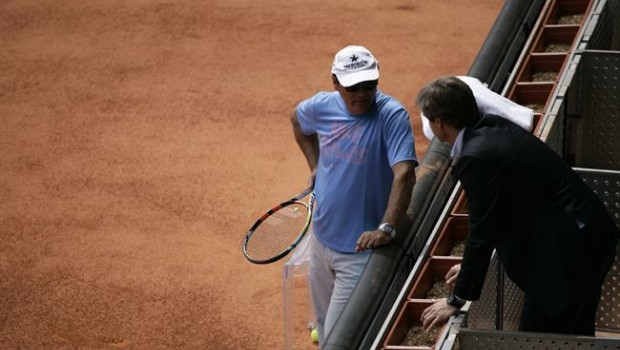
551,232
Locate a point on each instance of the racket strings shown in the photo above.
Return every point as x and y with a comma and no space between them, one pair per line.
277,232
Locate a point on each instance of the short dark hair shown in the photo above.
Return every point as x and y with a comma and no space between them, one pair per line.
449,99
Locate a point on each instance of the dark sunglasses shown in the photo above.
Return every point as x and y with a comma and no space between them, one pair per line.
366,86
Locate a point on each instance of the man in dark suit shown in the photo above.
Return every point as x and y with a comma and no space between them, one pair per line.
551,232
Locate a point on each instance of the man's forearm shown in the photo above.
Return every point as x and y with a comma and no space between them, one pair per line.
400,194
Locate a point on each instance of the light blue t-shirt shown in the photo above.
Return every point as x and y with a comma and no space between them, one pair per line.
354,174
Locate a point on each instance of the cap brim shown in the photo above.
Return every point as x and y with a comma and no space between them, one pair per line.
351,79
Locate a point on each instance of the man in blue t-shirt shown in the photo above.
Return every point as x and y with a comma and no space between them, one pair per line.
360,149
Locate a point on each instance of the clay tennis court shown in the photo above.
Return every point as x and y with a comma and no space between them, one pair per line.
140,139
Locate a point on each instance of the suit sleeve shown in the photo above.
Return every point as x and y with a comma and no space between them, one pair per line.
482,182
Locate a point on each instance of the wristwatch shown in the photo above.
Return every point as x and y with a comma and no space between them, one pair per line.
388,229
454,301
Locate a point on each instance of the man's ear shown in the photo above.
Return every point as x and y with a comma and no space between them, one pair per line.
439,123
335,81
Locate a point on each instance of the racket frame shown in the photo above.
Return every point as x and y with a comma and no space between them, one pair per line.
296,199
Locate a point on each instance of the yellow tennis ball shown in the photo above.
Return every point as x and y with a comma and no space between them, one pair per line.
314,335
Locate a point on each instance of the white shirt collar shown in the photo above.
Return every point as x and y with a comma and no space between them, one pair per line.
457,148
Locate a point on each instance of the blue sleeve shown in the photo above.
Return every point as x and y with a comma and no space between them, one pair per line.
306,115
399,137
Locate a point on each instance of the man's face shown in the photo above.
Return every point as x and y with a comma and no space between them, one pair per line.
359,97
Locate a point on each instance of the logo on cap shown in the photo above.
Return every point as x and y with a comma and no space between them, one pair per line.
355,64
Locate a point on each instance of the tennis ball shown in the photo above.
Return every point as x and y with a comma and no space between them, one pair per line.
314,335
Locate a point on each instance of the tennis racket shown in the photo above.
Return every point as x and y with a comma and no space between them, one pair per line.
279,230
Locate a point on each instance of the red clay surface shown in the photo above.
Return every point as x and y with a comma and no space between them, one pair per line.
139,140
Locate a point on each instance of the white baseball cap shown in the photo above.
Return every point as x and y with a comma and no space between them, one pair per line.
355,64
